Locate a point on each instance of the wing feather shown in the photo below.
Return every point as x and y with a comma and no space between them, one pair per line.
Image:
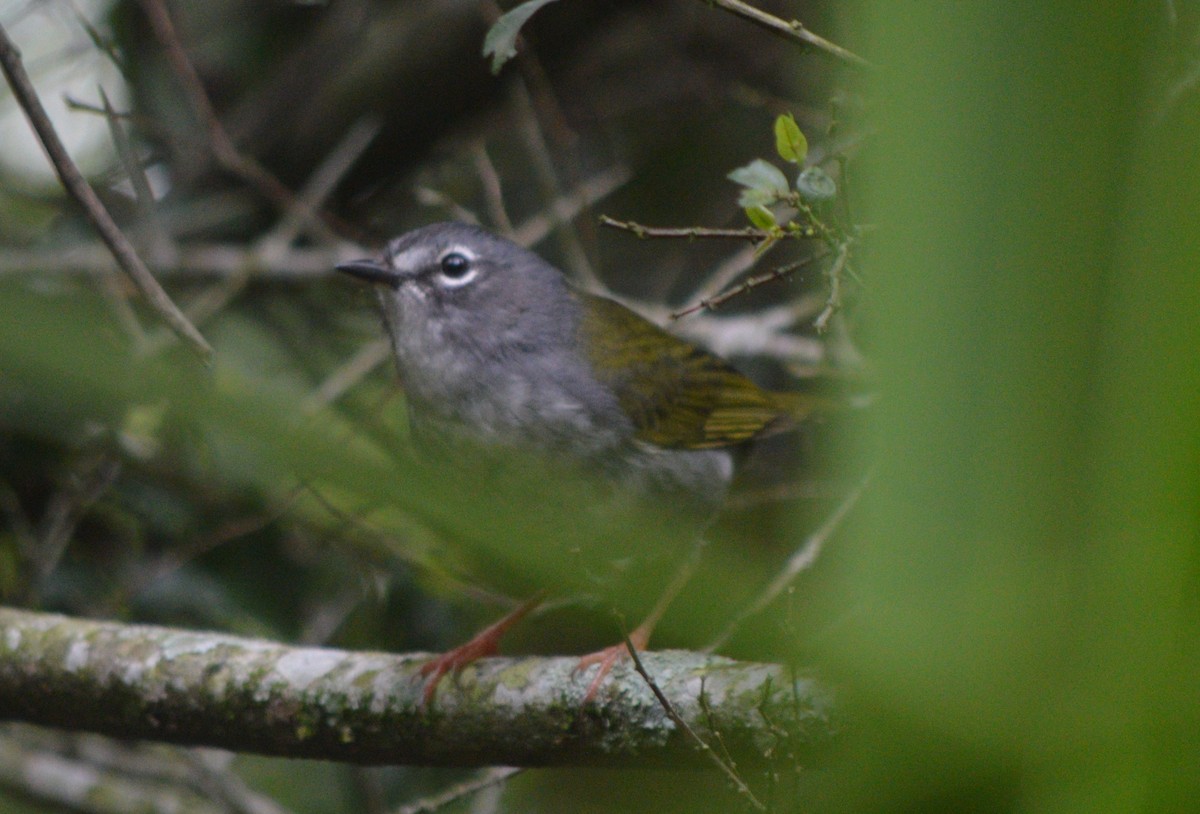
677,395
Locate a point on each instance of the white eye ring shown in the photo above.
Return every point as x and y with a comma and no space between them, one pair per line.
457,268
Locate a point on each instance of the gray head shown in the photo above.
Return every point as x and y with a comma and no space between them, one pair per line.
485,332
456,286
465,279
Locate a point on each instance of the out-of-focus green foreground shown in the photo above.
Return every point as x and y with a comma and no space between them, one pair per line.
1020,609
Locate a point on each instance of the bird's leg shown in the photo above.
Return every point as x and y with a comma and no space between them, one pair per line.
640,636
482,644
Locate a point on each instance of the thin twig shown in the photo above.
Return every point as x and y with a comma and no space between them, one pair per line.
493,191
546,175
791,30
213,773
222,146
199,260
62,516
161,243
750,233
801,560
319,185
728,770
712,303
834,301
349,373
110,280
728,270
483,780
122,250
567,206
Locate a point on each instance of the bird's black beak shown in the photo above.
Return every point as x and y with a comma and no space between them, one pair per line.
372,271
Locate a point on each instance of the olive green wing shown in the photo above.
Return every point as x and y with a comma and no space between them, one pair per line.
677,395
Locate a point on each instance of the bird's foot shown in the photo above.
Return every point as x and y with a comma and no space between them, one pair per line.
608,658
483,644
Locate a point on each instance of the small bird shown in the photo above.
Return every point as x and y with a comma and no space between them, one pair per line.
497,352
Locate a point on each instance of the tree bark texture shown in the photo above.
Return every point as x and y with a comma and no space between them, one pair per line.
248,695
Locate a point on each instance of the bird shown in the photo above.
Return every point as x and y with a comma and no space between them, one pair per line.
498,353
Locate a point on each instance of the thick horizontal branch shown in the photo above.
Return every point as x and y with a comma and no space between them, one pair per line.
247,695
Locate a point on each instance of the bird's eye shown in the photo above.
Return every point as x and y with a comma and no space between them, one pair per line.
455,266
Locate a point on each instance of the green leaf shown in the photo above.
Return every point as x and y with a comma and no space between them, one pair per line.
789,141
761,217
814,184
761,175
756,197
501,41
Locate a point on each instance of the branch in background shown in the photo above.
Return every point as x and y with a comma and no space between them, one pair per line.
198,260
722,765
436,802
713,303
283,263
122,250
834,302
791,30
250,695
223,149
801,560
750,233
75,783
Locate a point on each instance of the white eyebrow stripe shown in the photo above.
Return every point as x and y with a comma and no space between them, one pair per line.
409,259
456,249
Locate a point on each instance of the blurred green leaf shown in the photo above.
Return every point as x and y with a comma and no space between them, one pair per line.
1016,619
761,217
790,143
761,176
814,184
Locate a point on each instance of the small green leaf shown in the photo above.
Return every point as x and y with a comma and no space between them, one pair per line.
789,141
760,175
814,184
761,217
756,197
501,41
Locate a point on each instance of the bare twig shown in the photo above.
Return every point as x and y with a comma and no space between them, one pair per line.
348,374
493,192
750,233
801,560
320,183
728,270
122,250
767,333
197,260
712,303
726,768
214,774
834,301
567,206
546,176
483,780
791,30
222,146
69,783
142,193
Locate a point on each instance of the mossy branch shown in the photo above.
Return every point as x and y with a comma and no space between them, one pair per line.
247,695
